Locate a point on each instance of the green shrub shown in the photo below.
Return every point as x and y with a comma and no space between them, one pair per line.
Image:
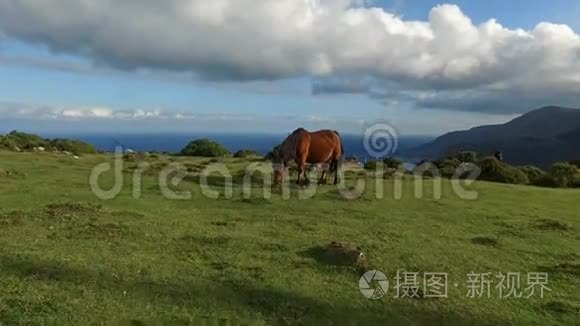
576,182
564,174
496,171
576,163
72,145
16,139
204,148
467,157
374,165
19,140
4,143
533,173
246,153
447,167
392,163
546,181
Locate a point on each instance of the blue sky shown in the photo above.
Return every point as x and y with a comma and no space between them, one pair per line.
43,71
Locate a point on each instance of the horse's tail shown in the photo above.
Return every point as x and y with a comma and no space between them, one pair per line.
339,162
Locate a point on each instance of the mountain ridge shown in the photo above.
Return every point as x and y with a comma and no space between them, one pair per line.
539,137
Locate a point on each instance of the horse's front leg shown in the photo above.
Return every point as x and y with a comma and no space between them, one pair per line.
324,176
301,173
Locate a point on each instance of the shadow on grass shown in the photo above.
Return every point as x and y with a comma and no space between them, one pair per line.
485,240
277,306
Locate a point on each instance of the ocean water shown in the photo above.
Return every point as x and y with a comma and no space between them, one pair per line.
263,143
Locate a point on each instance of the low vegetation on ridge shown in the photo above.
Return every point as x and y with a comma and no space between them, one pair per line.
20,141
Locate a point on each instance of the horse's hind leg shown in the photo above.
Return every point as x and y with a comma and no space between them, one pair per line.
322,180
299,176
301,172
334,168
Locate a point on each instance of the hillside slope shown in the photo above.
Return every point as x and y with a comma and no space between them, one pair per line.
540,137
69,258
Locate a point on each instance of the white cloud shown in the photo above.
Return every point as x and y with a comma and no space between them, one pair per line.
251,39
98,112
36,112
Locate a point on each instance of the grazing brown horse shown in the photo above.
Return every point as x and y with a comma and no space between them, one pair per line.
304,147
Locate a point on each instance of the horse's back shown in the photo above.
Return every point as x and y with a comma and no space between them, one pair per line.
324,146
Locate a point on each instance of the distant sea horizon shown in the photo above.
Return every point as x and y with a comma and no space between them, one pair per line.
260,142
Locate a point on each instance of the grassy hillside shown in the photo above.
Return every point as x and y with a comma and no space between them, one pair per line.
67,257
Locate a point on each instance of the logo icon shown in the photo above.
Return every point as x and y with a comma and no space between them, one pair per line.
373,284
381,140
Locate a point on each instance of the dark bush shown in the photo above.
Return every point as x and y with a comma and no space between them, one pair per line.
374,165
533,173
563,173
575,163
448,167
467,157
246,153
496,171
72,145
546,181
16,139
576,182
204,148
19,140
392,163
4,142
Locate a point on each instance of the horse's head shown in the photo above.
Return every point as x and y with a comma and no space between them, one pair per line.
278,164
279,171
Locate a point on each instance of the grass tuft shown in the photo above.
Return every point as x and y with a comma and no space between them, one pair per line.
484,240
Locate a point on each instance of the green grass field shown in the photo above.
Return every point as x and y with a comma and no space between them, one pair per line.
67,257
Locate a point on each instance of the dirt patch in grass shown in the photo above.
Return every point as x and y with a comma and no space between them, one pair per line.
71,208
128,214
204,240
12,217
303,227
224,224
277,247
551,224
107,231
485,240
338,254
563,268
562,307
16,311
12,174
256,201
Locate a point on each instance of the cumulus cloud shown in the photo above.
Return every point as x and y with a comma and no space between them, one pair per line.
445,62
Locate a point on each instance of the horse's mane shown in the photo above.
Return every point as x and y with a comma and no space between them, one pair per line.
289,146
299,130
